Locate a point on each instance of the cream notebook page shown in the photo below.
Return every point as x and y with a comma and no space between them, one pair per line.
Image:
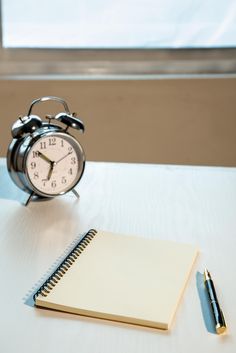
124,278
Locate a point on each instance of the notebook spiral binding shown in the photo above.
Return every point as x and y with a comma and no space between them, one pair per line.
64,266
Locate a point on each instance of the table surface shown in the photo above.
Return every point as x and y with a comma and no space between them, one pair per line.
182,203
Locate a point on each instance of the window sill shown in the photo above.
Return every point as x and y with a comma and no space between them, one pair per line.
116,64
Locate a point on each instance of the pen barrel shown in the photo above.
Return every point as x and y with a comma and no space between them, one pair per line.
211,290
217,313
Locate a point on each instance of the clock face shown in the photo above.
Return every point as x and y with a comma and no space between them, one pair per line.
54,164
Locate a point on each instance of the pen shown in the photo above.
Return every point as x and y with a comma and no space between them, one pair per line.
220,324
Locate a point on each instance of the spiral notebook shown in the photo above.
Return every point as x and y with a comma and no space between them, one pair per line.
121,278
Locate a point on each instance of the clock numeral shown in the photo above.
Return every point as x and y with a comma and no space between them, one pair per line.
44,182
70,171
43,145
63,180
35,154
36,175
70,149
33,165
73,160
52,141
62,143
53,184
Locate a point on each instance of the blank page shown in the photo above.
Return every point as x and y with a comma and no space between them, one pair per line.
125,278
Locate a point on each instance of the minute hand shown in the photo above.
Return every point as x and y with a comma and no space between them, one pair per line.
59,160
50,170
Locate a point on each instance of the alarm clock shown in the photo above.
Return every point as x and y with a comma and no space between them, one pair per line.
44,159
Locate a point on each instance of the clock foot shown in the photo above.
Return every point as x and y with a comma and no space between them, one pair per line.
29,198
36,198
76,193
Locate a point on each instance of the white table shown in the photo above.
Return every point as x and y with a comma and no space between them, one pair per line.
186,204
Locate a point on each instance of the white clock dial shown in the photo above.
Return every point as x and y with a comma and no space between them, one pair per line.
53,164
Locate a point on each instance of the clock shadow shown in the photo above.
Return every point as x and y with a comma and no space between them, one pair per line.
54,222
8,190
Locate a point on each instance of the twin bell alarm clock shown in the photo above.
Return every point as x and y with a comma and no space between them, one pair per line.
44,159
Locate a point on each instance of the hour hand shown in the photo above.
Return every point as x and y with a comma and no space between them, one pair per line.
45,158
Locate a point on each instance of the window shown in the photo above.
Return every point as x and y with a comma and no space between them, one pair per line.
119,24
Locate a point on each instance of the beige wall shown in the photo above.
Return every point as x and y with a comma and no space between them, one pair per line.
176,121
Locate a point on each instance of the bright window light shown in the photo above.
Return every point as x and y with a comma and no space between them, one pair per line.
119,24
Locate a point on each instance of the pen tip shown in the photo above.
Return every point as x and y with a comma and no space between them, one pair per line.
207,274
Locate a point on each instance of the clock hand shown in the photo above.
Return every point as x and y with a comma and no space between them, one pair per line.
59,160
45,158
52,164
51,170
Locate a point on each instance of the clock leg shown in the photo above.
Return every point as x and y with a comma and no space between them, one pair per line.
29,198
76,193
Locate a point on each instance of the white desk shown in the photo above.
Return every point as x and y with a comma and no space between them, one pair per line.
188,204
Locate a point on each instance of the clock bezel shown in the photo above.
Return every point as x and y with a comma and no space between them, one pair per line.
79,153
